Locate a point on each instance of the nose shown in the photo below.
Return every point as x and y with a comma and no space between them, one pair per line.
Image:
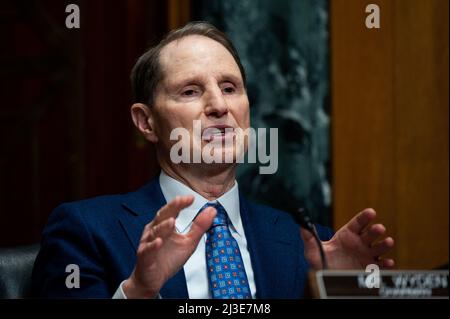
216,105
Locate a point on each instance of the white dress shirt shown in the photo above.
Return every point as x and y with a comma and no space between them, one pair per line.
195,267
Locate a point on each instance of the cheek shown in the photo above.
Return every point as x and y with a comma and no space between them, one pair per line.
247,118
163,125
243,116
173,118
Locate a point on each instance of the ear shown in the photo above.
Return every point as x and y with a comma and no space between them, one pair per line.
143,119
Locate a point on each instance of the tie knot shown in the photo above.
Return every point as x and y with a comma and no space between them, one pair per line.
221,218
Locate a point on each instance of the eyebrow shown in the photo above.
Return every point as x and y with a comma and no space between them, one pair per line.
231,78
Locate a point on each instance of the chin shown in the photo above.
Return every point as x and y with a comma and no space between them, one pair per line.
230,156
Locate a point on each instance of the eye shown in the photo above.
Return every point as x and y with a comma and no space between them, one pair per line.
229,89
189,92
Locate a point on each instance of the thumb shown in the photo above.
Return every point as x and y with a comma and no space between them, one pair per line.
312,252
307,237
202,223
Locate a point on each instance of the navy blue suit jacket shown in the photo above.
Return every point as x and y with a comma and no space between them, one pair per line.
101,236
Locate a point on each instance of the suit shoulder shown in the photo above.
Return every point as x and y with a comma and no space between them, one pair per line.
93,203
96,209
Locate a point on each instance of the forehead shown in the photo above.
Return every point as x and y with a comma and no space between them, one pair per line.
196,54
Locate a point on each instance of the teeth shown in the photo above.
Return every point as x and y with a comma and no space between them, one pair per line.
219,131
216,132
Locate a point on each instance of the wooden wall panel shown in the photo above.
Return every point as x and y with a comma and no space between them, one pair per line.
390,122
421,131
65,126
362,113
178,13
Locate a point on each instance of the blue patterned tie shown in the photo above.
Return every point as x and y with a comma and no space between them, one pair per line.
227,277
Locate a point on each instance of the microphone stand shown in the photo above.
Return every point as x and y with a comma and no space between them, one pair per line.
302,218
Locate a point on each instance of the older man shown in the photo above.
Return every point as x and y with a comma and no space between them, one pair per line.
189,233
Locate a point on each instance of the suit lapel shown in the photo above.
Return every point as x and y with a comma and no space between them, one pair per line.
272,252
140,208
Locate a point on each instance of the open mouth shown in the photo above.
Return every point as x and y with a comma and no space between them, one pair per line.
220,132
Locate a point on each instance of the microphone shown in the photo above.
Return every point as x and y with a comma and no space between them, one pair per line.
302,218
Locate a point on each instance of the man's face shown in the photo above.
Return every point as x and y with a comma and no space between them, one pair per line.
201,82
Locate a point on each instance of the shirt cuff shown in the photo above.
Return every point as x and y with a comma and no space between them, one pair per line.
119,294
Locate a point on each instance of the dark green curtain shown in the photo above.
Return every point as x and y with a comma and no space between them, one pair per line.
284,48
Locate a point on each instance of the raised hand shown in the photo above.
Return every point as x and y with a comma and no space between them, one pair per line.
354,246
162,251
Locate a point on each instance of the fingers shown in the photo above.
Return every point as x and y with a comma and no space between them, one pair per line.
173,208
372,233
358,223
202,223
387,263
382,247
148,250
162,230
162,225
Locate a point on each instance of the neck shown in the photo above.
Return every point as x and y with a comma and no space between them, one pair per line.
210,181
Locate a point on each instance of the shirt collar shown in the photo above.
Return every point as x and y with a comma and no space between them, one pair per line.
171,188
